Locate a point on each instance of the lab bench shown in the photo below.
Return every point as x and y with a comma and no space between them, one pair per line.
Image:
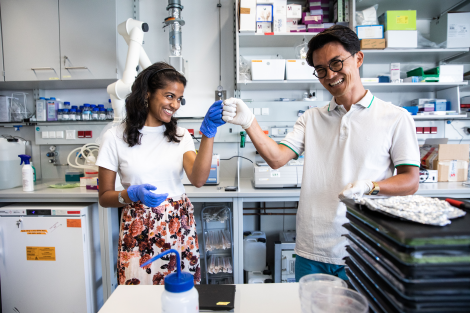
206,194
248,298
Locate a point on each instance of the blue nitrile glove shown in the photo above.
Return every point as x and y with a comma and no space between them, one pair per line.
212,120
143,193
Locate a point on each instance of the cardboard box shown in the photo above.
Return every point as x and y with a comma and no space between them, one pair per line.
247,11
264,27
307,18
401,38
264,13
398,20
378,44
394,72
451,161
452,27
294,11
370,31
280,16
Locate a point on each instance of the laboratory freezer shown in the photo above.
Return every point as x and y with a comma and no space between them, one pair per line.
50,260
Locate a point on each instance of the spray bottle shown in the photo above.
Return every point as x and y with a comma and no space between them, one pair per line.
179,296
27,173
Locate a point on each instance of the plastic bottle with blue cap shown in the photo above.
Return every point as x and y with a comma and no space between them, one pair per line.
179,296
27,173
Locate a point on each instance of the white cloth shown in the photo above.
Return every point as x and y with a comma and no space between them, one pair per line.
339,148
155,161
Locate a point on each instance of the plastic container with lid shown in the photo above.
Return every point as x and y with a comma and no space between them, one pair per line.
52,108
67,105
86,114
72,114
78,116
254,254
10,168
41,110
60,116
65,114
101,106
95,114
180,294
92,106
102,114
75,107
109,114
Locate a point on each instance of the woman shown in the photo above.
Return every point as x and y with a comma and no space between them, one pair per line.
149,151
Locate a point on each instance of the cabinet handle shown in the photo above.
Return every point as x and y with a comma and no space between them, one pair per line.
76,68
42,68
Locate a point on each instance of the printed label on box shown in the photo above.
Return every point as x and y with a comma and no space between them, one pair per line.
244,10
452,170
458,31
40,253
402,19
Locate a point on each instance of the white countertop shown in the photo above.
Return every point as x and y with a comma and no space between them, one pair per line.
254,298
44,193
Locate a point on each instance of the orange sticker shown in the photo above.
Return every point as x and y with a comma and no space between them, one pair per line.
35,231
290,60
245,10
74,223
40,253
256,61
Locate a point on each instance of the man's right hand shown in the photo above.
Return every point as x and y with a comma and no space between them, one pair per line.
235,111
144,194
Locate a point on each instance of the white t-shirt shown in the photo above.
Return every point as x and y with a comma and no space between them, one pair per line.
155,161
340,147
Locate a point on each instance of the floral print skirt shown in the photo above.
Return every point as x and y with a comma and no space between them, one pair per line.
146,232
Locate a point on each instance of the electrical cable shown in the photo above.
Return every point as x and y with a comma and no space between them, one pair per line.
461,136
237,156
195,138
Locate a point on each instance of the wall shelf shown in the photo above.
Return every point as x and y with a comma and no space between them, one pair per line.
411,55
57,84
276,40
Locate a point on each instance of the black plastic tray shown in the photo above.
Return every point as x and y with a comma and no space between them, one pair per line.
408,271
409,255
414,234
385,302
401,304
416,287
438,295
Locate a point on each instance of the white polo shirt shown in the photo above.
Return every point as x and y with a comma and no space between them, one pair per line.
340,147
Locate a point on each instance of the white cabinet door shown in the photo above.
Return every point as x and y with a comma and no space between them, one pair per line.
88,35
30,39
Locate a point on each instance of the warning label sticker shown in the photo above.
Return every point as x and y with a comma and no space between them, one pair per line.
74,223
35,231
40,253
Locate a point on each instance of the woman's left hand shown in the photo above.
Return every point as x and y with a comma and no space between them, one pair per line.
212,120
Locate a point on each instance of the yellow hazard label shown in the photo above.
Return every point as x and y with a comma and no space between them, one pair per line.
35,231
40,253
256,61
291,60
53,78
223,303
402,19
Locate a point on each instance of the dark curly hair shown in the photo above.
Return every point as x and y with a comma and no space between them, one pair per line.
342,34
156,76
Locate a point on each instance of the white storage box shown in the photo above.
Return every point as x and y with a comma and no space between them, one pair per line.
247,16
299,70
452,27
401,38
268,69
451,73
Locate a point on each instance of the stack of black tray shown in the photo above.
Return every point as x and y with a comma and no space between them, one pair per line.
402,266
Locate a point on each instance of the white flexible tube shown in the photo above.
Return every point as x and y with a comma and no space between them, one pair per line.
90,148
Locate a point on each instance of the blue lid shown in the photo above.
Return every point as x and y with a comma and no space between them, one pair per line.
52,98
65,110
95,109
79,111
47,99
101,105
102,110
92,105
24,158
66,103
86,104
109,100
73,110
42,98
74,107
175,282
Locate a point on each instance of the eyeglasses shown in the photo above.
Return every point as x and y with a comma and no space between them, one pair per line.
335,66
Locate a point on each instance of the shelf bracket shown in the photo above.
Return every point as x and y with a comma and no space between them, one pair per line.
453,57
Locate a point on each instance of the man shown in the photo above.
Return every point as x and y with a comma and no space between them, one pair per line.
351,148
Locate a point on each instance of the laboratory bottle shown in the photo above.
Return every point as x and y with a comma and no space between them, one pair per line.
27,173
67,105
102,114
92,106
34,171
78,116
72,114
52,108
109,115
75,107
65,115
86,114
94,114
60,115
180,294
100,106
41,109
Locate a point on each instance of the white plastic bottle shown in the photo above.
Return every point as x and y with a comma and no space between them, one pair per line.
27,173
179,296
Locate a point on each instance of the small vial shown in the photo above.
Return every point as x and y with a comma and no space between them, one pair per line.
78,116
65,114
109,114
94,114
72,115
102,114
67,105
59,115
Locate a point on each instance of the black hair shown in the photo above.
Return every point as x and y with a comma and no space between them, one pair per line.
337,33
155,77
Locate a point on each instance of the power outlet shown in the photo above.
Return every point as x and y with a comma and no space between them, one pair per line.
220,95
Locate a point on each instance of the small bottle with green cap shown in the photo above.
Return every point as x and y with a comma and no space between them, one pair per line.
180,294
